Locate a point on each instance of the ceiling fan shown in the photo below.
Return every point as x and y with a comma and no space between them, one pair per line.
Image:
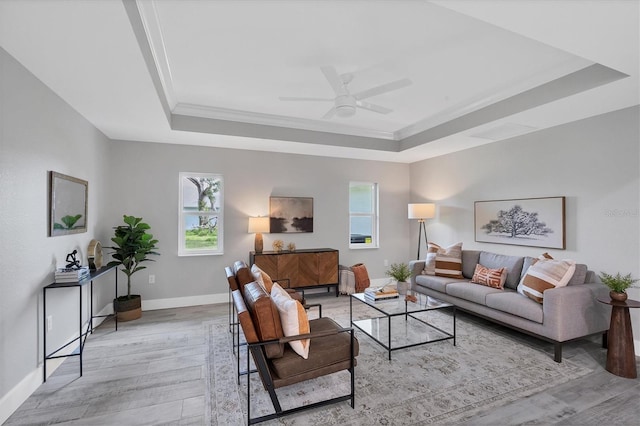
345,103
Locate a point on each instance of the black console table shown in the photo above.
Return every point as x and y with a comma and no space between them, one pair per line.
82,334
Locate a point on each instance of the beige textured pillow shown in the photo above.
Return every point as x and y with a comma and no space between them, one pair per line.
490,277
545,274
262,278
444,262
293,318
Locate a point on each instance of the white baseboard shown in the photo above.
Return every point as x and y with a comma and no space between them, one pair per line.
19,394
181,302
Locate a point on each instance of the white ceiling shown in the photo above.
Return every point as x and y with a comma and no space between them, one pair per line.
212,72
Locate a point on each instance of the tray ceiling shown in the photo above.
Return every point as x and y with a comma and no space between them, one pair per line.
214,72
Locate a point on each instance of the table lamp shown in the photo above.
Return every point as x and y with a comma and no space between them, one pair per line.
422,211
258,225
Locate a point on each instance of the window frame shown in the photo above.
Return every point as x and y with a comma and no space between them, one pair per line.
182,214
374,215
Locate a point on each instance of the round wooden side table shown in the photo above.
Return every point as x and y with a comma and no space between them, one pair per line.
621,357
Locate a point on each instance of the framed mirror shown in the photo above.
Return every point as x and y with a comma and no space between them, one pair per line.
67,204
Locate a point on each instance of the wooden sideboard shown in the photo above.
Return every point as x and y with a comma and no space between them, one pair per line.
306,268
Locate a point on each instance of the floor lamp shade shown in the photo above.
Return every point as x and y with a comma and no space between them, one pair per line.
422,211
258,225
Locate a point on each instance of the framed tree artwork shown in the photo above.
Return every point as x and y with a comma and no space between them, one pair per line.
535,222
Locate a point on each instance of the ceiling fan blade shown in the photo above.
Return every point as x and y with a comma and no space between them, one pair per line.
373,107
296,98
384,88
334,80
330,113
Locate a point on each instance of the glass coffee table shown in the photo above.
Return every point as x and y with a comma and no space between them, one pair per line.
399,324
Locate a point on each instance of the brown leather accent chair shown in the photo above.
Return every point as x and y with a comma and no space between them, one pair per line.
332,349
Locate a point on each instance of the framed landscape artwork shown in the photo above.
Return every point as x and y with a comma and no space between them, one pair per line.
67,204
535,222
290,214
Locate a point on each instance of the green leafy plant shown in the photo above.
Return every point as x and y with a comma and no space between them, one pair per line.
399,271
617,282
132,246
68,221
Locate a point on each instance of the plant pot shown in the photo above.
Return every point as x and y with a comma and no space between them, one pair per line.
128,309
620,297
402,287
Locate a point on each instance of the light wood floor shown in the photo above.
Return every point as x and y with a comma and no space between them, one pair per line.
151,372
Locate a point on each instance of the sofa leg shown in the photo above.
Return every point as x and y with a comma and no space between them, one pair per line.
557,356
605,342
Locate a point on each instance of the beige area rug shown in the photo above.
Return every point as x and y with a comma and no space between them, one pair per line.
436,383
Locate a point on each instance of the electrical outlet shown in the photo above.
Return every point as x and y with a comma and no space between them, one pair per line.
386,262
152,279
49,323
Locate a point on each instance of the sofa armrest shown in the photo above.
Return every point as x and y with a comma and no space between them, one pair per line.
416,267
574,311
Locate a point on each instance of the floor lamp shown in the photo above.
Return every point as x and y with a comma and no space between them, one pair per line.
422,211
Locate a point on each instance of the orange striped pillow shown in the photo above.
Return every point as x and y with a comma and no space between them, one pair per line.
444,262
490,277
294,319
546,274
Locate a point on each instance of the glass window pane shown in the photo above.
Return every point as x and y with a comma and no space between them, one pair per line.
360,199
361,229
200,193
200,232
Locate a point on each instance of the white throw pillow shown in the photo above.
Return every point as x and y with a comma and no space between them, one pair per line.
262,278
293,318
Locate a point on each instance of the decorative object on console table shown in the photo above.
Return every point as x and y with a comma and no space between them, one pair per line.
621,357
94,255
258,225
304,268
277,245
291,247
132,246
421,211
540,223
291,214
617,284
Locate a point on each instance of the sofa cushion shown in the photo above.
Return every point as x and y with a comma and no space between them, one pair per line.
470,258
579,275
444,262
512,263
294,319
471,292
513,303
546,274
265,316
490,277
435,283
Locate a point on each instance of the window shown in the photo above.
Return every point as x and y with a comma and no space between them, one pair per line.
200,214
363,215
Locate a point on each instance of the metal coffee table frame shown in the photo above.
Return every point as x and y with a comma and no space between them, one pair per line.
392,308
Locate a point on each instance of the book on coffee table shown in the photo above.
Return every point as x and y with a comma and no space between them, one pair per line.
380,293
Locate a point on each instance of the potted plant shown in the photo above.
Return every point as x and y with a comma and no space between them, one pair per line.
132,246
618,285
400,272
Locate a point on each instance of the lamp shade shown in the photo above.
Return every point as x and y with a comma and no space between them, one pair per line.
422,211
258,225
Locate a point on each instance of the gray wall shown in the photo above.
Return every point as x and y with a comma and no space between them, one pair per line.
592,162
145,182
39,132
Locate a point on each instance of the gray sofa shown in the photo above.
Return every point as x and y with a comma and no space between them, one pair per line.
567,313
